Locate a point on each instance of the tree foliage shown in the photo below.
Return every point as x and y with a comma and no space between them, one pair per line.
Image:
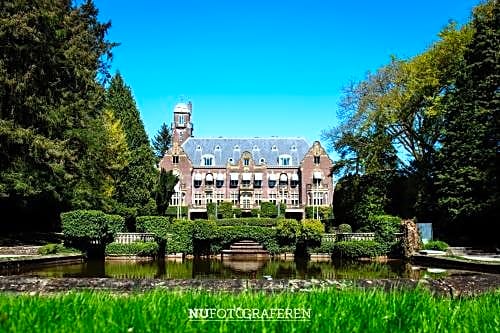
164,190
162,141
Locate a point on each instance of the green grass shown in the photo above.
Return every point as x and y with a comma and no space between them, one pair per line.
331,311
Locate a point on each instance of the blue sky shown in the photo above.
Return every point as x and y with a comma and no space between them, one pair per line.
262,68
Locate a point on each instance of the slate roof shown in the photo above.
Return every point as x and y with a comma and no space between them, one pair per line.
260,148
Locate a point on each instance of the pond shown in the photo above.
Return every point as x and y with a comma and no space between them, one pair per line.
230,269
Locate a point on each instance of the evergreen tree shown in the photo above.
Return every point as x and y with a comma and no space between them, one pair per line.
164,190
467,175
134,190
50,102
162,141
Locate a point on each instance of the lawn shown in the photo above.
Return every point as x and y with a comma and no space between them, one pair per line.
329,311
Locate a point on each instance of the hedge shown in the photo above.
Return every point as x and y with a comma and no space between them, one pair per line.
357,249
84,226
140,249
157,225
248,221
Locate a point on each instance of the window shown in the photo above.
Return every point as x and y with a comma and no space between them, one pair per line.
181,119
262,161
295,199
316,198
272,198
272,183
246,162
258,198
234,198
284,160
274,148
317,182
233,183
236,147
209,197
198,147
181,135
219,183
175,159
207,160
317,159
255,148
197,183
230,160
294,148
219,197
197,199
257,183
217,148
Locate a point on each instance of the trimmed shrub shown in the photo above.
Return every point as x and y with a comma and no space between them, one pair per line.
268,209
248,221
181,240
288,230
265,236
311,230
436,245
81,227
357,249
325,247
345,228
140,249
157,225
172,211
225,210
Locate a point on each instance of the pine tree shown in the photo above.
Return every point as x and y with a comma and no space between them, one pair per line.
467,179
162,141
134,190
164,190
50,100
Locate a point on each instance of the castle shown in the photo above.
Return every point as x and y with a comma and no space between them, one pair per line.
245,171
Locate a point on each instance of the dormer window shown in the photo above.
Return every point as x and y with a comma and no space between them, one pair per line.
274,148
217,148
262,161
293,148
198,147
284,160
317,159
230,160
207,160
236,147
255,148
246,162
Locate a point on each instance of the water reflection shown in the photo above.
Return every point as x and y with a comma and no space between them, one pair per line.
227,269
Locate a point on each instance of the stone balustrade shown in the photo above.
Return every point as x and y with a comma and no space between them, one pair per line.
130,237
354,236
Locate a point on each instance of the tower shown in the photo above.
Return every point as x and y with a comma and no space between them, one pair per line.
182,127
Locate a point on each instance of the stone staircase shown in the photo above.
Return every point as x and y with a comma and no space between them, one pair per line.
245,249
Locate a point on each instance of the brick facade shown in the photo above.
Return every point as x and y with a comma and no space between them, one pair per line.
246,171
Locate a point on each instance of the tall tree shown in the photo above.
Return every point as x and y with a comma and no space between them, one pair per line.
162,141
164,190
51,56
467,177
135,188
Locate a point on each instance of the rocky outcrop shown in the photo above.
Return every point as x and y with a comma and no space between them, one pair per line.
411,238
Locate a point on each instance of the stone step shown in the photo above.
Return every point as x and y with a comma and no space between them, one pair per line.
242,251
256,246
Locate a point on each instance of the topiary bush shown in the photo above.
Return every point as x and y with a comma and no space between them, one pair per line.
357,249
90,230
181,237
436,245
140,249
345,228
